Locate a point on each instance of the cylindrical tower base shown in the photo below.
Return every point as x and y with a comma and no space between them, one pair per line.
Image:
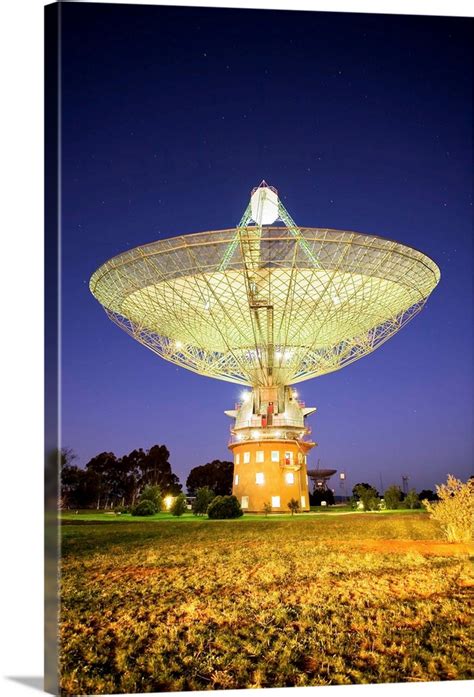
270,472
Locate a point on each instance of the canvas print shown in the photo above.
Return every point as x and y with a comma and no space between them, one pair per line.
264,444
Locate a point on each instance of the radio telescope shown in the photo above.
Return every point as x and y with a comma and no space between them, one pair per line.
266,304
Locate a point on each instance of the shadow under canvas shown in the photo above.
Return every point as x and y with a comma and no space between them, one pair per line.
33,681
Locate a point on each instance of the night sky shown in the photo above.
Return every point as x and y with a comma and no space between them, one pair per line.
363,122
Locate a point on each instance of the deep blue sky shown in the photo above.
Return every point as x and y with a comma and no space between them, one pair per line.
363,122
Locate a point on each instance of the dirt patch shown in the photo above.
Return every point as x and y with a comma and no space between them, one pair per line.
426,547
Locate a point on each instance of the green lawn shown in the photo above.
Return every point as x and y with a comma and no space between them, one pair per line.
318,599
104,516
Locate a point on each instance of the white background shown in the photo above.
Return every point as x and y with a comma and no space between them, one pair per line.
21,420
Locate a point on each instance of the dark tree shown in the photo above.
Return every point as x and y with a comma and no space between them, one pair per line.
102,467
428,494
217,475
80,488
88,489
67,457
131,470
117,482
156,471
107,481
367,495
320,495
366,486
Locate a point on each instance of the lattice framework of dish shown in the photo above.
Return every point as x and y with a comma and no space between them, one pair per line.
265,305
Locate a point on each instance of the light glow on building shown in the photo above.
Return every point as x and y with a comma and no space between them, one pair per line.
168,502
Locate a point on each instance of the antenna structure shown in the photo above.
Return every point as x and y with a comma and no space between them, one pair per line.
266,306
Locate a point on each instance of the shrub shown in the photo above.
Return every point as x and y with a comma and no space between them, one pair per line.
222,507
353,502
368,496
204,496
392,497
454,511
294,506
412,500
145,507
178,506
267,508
153,494
119,510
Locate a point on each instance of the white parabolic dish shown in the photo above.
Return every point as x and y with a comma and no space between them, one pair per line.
263,305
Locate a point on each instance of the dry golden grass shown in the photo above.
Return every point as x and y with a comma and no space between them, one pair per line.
150,607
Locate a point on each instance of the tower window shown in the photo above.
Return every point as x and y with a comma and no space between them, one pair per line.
275,456
275,502
236,479
259,456
303,502
259,478
290,478
289,458
245,502
246,458
237,459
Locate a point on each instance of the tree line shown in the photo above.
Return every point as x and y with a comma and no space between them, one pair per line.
367,497
109,482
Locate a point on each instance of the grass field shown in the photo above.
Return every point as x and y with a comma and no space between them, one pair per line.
110,516
168,604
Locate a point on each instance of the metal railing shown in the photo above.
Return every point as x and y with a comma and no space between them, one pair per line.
277,422
265,434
